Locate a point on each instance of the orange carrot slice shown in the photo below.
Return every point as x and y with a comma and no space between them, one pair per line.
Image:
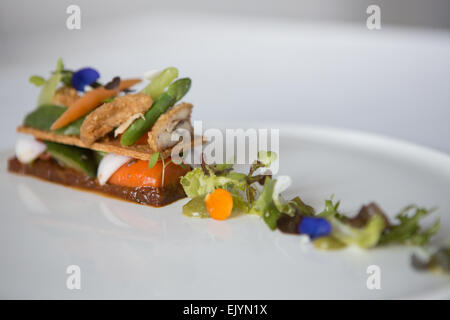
89,101
219,204
137,174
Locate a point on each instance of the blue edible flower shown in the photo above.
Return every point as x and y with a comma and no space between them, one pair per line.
84,77
314,227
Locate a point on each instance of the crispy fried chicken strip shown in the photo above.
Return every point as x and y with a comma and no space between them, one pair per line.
112,114
179,117
65,96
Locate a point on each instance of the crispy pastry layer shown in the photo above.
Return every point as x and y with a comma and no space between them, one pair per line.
141,152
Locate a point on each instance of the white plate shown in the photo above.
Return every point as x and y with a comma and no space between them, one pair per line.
126,250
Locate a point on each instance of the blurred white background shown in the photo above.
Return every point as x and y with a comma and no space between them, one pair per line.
302,62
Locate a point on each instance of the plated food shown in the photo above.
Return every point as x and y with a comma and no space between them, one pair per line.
112,139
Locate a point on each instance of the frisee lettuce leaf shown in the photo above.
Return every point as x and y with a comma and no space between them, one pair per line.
196,183
331,209
409,231
371,227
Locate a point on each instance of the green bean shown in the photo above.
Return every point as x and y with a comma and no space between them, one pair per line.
138,128
160,82
179,88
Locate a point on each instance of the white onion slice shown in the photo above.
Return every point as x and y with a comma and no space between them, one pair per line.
124,126
151,74
110,164
28,150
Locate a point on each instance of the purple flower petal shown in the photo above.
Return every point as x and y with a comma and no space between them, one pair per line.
84,77
314,227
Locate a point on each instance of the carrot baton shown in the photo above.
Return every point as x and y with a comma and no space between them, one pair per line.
89,101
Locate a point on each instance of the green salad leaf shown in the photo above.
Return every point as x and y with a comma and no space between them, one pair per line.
365,237
265,207
331,209
408,230
367,229
239,203
43,117
302,208
201,181
196,183
371,227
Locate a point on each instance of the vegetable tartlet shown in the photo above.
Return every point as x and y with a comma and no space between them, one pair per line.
107,137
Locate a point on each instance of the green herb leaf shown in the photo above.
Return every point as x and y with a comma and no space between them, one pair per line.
153,159
331,210
37,80
408,231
